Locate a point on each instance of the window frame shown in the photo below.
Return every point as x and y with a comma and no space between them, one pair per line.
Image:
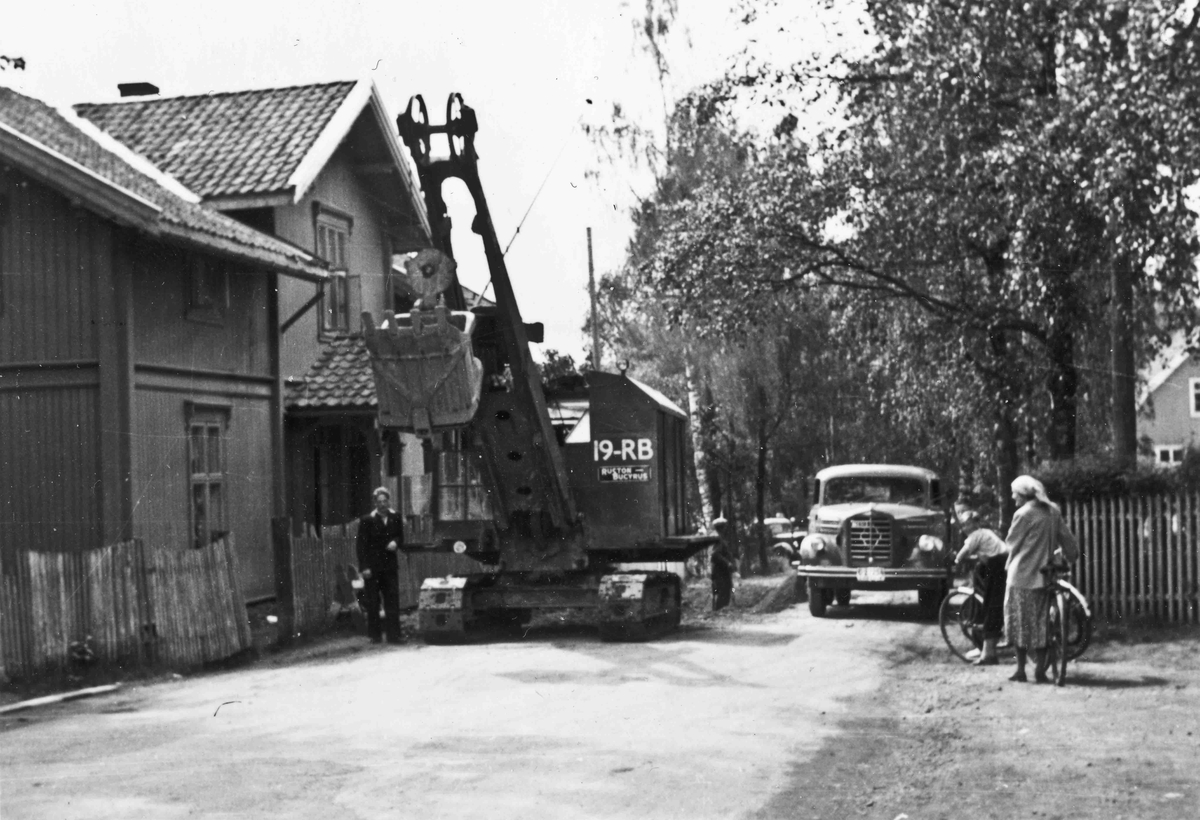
1193,395
465,492
206,295
334,309
212,420
1170,450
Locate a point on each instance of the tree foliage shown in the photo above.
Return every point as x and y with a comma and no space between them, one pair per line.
996,162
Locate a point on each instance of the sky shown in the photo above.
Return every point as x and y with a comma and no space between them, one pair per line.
528,68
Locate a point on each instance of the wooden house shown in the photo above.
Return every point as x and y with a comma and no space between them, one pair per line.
1169,409
141,388
319,166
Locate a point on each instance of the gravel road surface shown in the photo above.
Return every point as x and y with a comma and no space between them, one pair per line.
772,715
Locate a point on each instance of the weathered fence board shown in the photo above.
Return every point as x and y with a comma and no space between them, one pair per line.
199,615
1140,556
121,604
319,578
318,565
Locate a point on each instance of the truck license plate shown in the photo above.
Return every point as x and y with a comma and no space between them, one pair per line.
870,574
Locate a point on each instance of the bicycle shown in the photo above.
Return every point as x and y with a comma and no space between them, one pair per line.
1068,622
961,620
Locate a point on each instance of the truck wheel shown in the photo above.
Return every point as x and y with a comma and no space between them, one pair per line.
816,601
843,597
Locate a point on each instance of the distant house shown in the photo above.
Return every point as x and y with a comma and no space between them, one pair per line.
1169,409
319,166
141,389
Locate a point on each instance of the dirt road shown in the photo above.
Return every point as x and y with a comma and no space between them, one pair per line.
764,716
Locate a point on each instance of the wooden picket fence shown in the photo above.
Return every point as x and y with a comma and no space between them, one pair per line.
313,583
122,605
1140,556
320,582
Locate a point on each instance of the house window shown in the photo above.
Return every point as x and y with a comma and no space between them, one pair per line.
207,290
1194,397
461,495
208,485
1168,454
333,239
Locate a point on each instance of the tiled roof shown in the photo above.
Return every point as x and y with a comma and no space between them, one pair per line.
49,130
243,142
340,378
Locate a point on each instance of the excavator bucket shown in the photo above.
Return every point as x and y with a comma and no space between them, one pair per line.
427,378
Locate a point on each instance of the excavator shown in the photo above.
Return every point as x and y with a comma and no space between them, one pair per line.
581,519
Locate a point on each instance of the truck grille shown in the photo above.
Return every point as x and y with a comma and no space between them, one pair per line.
870,539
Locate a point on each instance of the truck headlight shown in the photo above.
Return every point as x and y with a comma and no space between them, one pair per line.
811,545
929,543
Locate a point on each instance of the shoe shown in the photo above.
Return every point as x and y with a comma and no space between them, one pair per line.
986,662
397,641
1018,677
973,654
1041,677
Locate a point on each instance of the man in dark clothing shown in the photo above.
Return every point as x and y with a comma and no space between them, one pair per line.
380,537
723,567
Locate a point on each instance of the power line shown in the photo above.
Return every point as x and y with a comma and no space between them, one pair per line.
540,187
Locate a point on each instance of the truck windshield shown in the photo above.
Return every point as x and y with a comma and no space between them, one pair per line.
875,490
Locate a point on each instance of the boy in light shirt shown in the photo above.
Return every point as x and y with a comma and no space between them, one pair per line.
989,552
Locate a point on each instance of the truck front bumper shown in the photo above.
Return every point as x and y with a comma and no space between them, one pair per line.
838,577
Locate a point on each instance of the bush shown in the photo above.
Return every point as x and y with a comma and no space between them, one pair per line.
1100,476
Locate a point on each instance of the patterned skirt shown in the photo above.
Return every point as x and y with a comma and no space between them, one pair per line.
1025,612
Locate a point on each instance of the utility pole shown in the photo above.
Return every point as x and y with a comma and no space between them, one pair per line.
595,313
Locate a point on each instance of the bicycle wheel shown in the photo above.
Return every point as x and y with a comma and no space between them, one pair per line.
1057,644
1079,624
961,620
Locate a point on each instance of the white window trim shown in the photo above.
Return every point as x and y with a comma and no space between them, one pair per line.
1172,449
1193,411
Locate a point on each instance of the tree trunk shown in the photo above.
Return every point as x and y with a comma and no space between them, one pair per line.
1063,384
760,478
699,454
1124,382
1007,461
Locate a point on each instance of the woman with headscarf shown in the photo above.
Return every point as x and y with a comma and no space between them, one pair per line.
1037,533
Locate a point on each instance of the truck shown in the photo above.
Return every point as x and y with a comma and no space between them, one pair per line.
586,518
876,527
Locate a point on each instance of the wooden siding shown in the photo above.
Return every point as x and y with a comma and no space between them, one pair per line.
1167,419
49,469
51,254
336,187
52,257
162,494
163,336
